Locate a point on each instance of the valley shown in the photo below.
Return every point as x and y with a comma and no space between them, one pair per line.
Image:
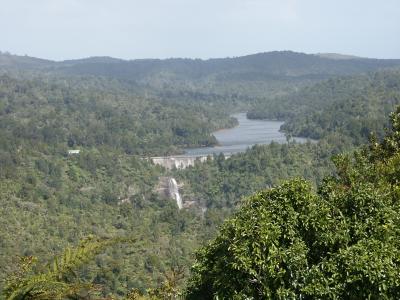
230,141
175,112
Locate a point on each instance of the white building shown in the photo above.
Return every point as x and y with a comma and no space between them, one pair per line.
73,152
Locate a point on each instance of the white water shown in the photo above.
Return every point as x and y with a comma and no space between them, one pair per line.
174,192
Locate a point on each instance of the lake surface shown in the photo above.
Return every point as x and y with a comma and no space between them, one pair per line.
243,136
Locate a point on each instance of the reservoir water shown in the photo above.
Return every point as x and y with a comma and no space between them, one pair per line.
246,134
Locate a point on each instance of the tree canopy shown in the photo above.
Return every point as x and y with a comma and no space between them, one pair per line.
291,242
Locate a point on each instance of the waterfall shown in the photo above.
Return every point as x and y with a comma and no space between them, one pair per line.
174,192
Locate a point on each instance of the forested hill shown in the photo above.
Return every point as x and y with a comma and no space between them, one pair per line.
291,242
258,66
222,74
350,106
59,113
9,61
118,111
49,199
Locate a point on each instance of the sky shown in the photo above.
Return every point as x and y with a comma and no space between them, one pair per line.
130,29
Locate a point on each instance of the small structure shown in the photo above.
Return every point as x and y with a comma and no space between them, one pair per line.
73,152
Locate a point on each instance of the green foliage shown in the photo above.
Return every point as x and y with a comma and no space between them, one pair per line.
290,242
220,183
105,194
49,200
60,280
55,114
351,106
170,289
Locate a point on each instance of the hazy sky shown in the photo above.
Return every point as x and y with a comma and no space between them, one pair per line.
64,29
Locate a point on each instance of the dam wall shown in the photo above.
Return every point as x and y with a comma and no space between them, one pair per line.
180,162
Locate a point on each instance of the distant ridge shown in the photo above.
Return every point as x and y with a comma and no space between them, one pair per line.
11,60
338,56
93,59
6,56
282,66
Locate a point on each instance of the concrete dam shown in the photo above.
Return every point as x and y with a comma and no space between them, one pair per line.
180,162
231,141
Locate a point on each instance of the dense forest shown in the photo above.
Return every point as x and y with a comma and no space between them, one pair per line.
290,242
253,76
351,106
101,214
57,113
